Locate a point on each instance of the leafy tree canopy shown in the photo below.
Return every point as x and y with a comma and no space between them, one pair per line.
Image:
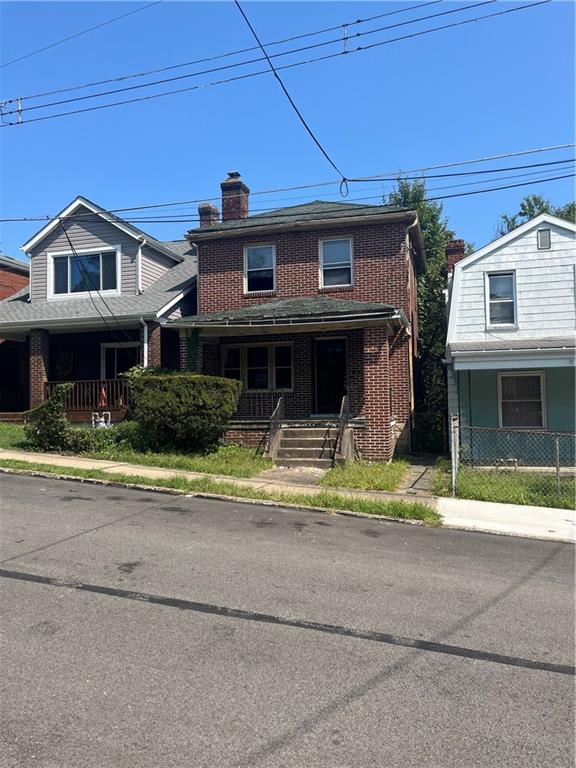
532,206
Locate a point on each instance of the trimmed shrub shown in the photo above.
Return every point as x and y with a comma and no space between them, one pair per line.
184,411
46,427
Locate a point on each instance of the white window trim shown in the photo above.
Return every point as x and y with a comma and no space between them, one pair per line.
541,247
50,256
541,375
321,265
113,345
246,249
500,326
271,364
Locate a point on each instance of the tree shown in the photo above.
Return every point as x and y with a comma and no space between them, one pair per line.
431,395
530,207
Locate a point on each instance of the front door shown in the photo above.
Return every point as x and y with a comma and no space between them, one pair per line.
330,375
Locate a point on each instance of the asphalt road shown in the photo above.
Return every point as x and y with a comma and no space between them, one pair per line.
147,630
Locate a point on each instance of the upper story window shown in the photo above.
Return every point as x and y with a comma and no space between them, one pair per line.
259,268
522,400
501,303
82,272
335,262
544,239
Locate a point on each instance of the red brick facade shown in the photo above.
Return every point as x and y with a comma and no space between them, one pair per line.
11,282
38,368
154,345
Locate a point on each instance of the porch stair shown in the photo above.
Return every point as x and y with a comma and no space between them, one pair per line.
308,446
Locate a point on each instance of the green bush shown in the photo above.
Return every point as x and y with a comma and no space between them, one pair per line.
184,411
46,427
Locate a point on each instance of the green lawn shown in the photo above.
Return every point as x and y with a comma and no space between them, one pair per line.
398,509
12,436
508,486
367,475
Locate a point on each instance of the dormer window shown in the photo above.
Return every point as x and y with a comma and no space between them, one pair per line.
500,304
544,239
80,273
259,268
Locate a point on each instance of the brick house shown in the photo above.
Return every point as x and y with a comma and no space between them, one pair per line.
314,308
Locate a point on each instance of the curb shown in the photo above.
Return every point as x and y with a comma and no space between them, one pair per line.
216,496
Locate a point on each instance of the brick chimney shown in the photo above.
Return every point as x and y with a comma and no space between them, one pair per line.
234,197
209,215
454,253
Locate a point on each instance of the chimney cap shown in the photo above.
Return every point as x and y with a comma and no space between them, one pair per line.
233,174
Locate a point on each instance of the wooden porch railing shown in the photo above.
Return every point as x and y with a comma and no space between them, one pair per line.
95,395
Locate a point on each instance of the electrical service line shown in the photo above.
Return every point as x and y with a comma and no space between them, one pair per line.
78,34
224,81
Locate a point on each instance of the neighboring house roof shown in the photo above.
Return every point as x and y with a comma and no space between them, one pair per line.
505,345
14,265
544,218
17,312
83,202
293,311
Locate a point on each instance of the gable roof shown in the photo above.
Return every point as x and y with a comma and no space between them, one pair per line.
7,262
543,218
116,221
17,312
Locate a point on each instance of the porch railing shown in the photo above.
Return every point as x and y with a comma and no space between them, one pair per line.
343,419
256,406
95,395
275,423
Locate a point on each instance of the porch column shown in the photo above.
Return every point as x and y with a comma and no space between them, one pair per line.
154,345
38,368
376,440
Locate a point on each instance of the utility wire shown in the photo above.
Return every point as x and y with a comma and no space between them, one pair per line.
396,175
290,99
78,34
345,38
266,71
216,57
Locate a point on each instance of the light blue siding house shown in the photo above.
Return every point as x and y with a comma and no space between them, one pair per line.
510,349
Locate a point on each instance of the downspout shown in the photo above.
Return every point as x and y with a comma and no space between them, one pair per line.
143,242
144,342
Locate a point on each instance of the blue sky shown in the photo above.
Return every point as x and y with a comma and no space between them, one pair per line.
498,86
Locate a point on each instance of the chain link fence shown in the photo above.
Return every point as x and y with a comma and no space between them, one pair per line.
518,466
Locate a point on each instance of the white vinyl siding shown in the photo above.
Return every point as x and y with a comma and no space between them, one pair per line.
153,266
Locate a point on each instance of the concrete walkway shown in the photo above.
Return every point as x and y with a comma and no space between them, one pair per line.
509,519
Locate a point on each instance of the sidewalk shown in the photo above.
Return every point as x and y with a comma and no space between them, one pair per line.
508,519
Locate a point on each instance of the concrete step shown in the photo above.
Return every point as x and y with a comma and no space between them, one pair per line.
320,463
307,442
303,453
317,432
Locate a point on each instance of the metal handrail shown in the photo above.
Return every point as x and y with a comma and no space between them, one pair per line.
276,420
343,419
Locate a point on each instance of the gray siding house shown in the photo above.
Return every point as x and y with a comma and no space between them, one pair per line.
101,292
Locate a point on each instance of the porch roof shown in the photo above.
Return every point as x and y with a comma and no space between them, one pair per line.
19,314
294,312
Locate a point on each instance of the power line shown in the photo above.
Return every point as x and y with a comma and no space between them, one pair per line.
287,94
238,64
267,71
78,34
228,54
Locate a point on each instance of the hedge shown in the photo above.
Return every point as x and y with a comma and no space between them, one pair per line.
184,411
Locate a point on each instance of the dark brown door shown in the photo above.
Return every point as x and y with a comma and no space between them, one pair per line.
330,375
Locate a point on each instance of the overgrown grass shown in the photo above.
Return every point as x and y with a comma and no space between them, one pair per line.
12,436
232,460
367,475
508,486
328,499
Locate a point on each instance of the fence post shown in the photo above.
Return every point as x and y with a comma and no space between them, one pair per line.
454,449
558,492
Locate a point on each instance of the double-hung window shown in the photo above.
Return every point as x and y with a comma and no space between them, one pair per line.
84,272
260,367
259,268
521,400
335,263
501,304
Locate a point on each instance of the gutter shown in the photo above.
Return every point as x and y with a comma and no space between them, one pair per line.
144,342
316,320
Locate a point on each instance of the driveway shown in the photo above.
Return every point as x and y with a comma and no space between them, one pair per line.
143,629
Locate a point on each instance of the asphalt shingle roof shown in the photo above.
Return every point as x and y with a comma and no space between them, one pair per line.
18,310
289,309
318,209
14,264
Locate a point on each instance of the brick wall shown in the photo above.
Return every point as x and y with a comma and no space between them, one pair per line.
380,267
154,345
38,366
11,282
